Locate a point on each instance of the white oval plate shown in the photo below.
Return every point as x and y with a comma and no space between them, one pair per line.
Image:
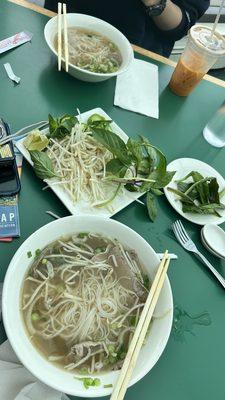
183,166
83,207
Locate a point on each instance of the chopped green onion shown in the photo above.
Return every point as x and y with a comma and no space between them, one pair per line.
82,235
44,261
109,385
96,382
37,252
29,254
99,250
89,382
35,316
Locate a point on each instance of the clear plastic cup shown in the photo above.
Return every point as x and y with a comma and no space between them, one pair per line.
214,131
200,54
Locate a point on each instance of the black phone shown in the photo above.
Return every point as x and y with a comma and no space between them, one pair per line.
9,177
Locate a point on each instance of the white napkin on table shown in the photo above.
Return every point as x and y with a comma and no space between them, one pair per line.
17,383
137,89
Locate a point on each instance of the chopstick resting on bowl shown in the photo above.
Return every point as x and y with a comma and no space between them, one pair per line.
121,385
65,37
59,36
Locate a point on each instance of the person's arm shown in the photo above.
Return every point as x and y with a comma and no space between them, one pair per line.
170,18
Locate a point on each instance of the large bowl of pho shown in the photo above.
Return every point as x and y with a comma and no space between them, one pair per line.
97,50
72,297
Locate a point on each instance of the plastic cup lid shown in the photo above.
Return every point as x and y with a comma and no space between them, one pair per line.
201,35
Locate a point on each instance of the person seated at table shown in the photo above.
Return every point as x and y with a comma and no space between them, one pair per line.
152,24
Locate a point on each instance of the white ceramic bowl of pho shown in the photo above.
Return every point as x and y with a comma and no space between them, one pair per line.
107,305
95,49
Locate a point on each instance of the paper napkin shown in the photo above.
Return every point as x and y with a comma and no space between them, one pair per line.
17,383
137,89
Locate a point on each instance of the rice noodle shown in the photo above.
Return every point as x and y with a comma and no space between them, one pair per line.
79,299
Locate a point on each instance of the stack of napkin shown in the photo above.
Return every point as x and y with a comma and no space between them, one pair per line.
16,383
137,89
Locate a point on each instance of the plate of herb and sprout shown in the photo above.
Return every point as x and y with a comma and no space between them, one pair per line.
93,166
196,191
70,314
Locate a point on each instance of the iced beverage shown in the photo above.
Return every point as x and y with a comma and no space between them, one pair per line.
199,56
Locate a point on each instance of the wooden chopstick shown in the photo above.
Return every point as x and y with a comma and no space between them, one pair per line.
59,36
66,51
141,331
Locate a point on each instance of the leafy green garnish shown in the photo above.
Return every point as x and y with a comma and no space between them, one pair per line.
199,195
60,127
42,164
29,254
137,164
99,250
37,252
36,141
89,382
98,121
151,206
113,143
109,385
82,235
146,282
35,316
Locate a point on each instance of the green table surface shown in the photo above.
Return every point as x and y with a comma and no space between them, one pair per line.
193,363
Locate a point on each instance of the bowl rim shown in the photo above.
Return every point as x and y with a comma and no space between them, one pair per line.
11,334
86,71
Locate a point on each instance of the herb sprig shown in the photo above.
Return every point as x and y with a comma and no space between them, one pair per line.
137,164
199,195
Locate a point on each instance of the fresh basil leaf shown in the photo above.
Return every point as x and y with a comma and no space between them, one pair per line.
156,157
219,206
199,210
98,121
151,206
150,151
144,166
134,148
52,124
183,187
131,187
42,164
222,193
157,192
182,195
60,127
163,180
116,167
190,175
214,191
113,143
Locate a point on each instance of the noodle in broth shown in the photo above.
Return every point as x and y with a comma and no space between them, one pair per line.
92,51
81,301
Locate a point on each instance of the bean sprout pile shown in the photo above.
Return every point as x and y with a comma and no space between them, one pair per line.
80,162
81,301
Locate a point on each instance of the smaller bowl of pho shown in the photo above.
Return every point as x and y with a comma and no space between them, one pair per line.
72,297
97,50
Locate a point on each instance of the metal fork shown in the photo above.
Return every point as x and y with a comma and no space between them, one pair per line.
185,241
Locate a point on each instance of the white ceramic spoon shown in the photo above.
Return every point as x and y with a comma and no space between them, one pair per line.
213,238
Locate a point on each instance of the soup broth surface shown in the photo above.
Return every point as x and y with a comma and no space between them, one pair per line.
91,51
81,301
